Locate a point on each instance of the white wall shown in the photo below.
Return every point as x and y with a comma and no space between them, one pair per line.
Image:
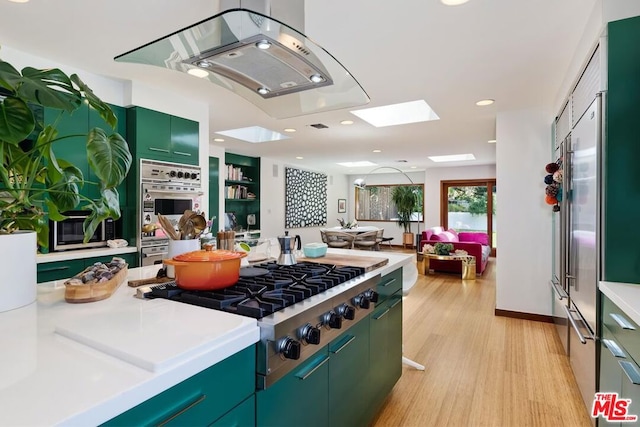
524,240
272,208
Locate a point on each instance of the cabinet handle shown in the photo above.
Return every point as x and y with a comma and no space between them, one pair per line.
182,153
561,295
631,371
380,316
349,341
182,411
397,301
388,282
162,150
48,270
622,322
315,368
154,255
614,348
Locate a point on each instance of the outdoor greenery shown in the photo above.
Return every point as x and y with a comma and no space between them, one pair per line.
375,203
472,199
33,180
406,200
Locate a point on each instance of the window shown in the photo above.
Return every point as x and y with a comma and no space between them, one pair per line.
374,203
469,205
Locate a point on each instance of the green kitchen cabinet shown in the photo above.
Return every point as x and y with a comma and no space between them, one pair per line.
300,398
242,189
610,372
214,192
204,399
389,285
385,347
349,377
243,415
158,136
59,270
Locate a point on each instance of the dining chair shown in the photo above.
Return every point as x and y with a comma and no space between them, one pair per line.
367,240
339,239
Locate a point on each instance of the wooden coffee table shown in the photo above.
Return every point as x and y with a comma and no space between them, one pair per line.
468,263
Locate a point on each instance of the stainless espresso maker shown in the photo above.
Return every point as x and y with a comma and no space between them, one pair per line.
287,246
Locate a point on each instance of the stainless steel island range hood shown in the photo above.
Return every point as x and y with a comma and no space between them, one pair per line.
269,63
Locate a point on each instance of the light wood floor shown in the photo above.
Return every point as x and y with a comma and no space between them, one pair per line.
481,369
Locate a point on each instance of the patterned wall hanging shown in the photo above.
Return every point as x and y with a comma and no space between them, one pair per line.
305,198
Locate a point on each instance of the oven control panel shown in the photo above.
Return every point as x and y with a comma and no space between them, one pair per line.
174,173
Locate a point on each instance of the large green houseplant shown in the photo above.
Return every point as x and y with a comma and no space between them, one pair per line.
406,199
33,180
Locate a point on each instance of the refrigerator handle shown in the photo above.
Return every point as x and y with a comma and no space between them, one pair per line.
575,327
566,185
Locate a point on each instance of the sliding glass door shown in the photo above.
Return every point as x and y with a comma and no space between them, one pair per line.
469,205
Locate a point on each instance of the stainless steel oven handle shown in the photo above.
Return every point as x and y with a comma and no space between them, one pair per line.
631,371
622,322
315,368
176,192
154,254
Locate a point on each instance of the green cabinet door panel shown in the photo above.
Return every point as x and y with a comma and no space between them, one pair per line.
59,270
300,398
386,348
199,400
610,372
214,192
349,376
243,415
184,140
621,152
149,132
389,285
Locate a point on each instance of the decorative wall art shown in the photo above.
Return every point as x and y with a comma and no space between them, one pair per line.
305,198
342,205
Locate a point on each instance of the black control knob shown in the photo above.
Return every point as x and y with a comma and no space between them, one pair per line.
362,301
371,295
332,320
347,311
180,174
172,174
310,334
290,348
194,175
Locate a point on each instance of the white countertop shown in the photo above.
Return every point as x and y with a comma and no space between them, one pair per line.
83,253
83,364
624,295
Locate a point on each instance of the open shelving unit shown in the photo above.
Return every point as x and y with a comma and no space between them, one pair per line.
242,189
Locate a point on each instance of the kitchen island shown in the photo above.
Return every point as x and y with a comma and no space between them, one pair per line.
83,364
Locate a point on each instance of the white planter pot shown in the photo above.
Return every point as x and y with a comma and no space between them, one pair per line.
18,266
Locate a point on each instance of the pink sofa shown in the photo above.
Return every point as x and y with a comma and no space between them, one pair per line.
475,243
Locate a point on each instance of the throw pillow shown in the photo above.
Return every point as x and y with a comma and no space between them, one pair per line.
447,236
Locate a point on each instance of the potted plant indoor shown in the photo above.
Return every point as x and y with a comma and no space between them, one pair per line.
34,182
405,198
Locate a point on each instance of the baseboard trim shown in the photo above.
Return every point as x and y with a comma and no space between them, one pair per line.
525,316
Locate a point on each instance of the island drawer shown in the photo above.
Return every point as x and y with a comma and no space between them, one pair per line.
625,330
389,284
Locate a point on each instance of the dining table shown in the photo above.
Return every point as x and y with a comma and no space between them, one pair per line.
357,230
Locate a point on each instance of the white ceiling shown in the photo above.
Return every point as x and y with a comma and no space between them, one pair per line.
514,51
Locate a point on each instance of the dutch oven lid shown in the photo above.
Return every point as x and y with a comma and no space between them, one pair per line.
209,256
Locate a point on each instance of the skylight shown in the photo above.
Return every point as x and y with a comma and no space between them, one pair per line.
254,134
357,164
397,114
452,158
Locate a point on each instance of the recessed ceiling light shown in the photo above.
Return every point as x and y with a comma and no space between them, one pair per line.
316,78
453,2
18,1
346,122
484,102
397,114
491,141
377,151
218,140
290,130
263,44
414,167
254,134
299,158
198,72
452,158
263,91
357,164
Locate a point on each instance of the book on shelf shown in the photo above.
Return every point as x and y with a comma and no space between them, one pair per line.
234,173
236,192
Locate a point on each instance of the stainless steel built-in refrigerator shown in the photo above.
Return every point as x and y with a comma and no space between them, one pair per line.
581,233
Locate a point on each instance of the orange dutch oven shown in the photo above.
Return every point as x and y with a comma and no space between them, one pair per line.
206,270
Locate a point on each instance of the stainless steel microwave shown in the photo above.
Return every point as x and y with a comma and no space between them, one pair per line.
69,234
